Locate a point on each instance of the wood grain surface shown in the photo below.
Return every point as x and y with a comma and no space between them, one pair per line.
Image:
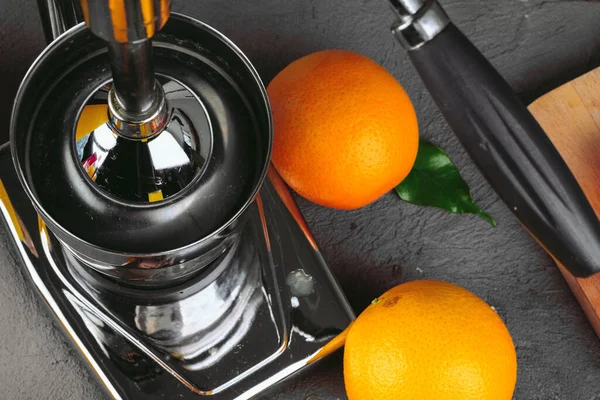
570,115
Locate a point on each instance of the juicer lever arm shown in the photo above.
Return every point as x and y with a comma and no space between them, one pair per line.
501,136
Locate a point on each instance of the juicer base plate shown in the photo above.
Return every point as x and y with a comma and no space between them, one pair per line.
260,313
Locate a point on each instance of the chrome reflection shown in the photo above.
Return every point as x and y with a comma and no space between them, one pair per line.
201,329
208,320
21,232
129,360
155,271
164,342
146,170
82,305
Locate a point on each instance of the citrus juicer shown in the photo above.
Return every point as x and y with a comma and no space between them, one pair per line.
141,200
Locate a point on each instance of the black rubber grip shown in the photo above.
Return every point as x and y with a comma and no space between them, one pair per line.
511,149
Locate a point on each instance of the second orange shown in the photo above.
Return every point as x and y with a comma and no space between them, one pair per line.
345,130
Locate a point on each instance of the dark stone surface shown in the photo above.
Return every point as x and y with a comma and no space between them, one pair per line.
535,44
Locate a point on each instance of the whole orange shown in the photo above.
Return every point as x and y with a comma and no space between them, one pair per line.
345,130
429,340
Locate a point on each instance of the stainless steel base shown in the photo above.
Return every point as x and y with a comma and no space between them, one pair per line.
251,319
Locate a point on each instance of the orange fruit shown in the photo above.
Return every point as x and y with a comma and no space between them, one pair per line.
429,340
345,130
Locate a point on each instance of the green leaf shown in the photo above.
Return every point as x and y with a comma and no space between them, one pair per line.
435,182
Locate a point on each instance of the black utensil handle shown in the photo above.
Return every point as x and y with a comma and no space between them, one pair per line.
510,148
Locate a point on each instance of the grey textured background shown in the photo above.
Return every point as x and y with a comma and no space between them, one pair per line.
535,44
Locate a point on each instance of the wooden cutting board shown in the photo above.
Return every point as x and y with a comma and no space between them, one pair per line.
570,115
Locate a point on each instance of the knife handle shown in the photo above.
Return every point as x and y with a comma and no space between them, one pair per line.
503,139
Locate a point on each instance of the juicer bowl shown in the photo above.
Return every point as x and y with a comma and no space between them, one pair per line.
101,201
